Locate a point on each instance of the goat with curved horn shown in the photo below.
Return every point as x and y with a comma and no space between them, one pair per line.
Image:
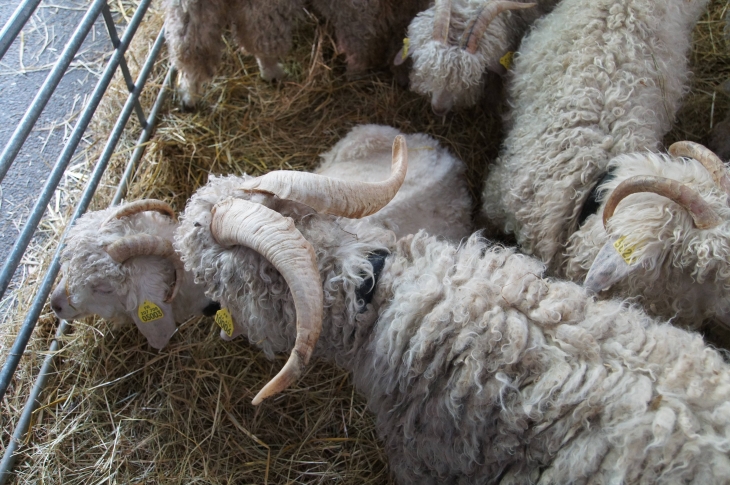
441,19
702,214
273,236
138,206
707,158
147,245
332,196
143,244
478,25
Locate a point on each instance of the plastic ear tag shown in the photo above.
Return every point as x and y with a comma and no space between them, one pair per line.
406,46
224,321
506,60
625,250
149,312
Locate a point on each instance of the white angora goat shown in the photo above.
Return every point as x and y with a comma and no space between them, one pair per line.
117,259
455,42
119,264
594,80
668,241
478,368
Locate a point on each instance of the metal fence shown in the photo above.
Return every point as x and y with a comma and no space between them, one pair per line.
7,36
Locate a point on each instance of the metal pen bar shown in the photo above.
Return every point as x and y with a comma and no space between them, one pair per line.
16,254
143,138
31,405
15,24
26,330
107,14
49,85
23,424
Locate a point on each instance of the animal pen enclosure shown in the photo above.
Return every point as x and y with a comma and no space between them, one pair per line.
105,408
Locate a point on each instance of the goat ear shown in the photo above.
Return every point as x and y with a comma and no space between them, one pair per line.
402,55
153,317
612,264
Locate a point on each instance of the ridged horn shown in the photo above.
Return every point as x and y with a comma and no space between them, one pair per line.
332,196
273,236
478,25
702,214
441,19
138,206
708,159
147,245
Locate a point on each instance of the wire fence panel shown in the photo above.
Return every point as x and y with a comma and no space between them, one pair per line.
10,153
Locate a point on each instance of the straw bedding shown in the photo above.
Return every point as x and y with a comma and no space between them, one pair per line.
117,412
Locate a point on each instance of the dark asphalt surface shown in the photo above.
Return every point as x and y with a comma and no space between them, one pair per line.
22,72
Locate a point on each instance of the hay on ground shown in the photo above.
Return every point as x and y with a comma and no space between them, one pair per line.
117,412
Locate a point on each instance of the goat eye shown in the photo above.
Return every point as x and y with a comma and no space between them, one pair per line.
104,290
197,224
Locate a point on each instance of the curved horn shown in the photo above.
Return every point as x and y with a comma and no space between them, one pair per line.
273,236
707,158
478,25
702,214
441,19
141,206
146,245
332,196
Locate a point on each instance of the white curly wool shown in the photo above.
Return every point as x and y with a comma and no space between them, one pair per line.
593,79
677,270
477,367
446,72
92,283
434,196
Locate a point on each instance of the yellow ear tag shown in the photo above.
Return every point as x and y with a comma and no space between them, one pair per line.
406,46
149,312
506,60
224,321
625,250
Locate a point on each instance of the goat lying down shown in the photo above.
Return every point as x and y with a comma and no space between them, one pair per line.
664,234
479,369
119,258
119,264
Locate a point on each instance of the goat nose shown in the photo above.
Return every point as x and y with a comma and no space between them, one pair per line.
56,308
439,111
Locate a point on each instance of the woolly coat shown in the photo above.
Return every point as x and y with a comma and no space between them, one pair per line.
434,195
477,367
593,79
450,68
682,272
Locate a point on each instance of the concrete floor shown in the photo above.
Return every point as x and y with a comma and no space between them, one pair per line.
22,72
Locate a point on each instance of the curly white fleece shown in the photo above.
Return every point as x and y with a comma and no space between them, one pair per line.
693,265
594,79
478,368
